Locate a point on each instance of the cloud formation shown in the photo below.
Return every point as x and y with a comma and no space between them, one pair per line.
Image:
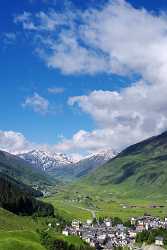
99,40
14,142
126,117
114,39
37,103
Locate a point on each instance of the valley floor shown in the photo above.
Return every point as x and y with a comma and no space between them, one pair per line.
84,203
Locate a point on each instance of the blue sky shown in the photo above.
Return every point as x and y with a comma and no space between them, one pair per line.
27,71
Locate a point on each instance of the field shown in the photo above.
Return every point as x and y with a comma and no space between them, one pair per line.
80,201
10,221
19,240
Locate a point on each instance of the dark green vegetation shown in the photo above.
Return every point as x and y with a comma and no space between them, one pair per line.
22,171
149,236
139,170
20,185
18,198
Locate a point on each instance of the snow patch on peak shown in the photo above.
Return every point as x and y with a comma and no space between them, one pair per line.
106,154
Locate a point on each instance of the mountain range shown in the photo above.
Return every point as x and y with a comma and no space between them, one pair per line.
46,160
64,167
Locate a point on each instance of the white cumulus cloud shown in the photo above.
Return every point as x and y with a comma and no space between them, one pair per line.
125,117
116,38
14,142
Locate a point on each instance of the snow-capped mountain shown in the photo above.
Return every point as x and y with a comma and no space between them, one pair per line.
63,166
46,160
93,161
103,155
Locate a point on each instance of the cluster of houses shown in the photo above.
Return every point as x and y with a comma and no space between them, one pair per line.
148,222
106,236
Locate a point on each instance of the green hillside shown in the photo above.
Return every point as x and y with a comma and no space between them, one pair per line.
20,170
20,240
140,167
10,221
18,232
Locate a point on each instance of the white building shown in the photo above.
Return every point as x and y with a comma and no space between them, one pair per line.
159,241
89,222
108,223
65,232
75,224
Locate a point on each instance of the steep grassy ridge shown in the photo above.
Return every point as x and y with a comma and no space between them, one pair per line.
140,167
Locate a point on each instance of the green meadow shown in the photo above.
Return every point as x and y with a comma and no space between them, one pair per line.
19,232
79,200
20,240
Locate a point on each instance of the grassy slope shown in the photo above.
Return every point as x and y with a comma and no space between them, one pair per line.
10,221
68,209
18,232
140,170
29,240
20,240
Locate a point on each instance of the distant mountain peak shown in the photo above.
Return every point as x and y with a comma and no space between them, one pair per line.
104,154
46,160
107,153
